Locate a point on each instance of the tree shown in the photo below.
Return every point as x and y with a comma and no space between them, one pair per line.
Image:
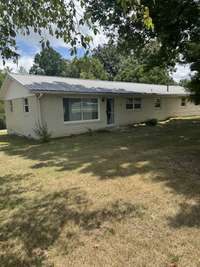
175,24
48,62
192,56
131,71
86,68
132,67
60,18
110,57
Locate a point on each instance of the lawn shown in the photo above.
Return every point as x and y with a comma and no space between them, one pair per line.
129,197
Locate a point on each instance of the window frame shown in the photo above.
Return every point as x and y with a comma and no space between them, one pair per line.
185,102
134,107
26,105
160,101
82,120
131,104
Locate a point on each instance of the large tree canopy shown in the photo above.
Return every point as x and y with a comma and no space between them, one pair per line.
60,18
176,27
175,24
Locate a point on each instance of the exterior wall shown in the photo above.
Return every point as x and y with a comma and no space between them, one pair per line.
170,107
20,122
52,113
15,91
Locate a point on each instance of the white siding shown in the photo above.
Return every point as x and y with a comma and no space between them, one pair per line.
20,122
52,113
16,90
170,107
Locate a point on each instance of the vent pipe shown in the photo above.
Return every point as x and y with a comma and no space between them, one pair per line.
167,87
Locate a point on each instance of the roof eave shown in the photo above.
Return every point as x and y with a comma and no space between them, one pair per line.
56,92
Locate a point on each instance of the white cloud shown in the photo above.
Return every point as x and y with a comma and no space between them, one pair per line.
24,61
182,72
34,39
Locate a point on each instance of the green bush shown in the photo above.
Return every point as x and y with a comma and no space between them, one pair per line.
42,132
151,122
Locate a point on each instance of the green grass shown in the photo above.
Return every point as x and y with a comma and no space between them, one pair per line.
125,198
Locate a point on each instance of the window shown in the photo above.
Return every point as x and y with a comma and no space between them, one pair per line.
11,105
77,109
183,101
26,105
137,103
157,103
129,103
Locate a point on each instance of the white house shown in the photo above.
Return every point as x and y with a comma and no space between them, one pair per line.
70,106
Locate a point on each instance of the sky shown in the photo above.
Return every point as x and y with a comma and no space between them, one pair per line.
28,46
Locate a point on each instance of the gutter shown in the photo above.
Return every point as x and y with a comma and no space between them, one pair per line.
105,93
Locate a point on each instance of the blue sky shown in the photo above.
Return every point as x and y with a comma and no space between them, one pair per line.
27,49
28,46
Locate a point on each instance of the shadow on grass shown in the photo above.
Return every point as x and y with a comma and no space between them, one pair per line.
37,223
188,215
168,153
112,155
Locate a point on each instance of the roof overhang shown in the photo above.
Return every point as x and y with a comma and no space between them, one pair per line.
50,92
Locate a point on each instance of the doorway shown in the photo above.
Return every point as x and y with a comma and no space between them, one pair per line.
110,111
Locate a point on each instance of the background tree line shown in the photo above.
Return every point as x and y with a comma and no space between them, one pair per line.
104,63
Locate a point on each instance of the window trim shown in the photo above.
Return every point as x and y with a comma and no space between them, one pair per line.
129,98
26,105
82,121
134,108
160,102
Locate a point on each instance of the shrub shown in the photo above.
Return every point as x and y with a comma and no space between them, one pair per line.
42,132
151,122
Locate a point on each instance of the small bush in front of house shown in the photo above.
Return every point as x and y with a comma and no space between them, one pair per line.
151,122
42,132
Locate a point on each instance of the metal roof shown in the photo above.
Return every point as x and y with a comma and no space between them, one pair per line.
50,84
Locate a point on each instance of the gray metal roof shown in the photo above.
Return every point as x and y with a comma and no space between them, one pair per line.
37,83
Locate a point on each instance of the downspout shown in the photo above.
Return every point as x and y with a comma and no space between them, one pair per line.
39,96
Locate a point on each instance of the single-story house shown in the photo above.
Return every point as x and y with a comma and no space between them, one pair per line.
71,106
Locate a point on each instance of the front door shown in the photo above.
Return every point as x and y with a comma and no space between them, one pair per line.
110,111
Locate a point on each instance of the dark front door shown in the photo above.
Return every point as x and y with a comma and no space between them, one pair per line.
110,111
